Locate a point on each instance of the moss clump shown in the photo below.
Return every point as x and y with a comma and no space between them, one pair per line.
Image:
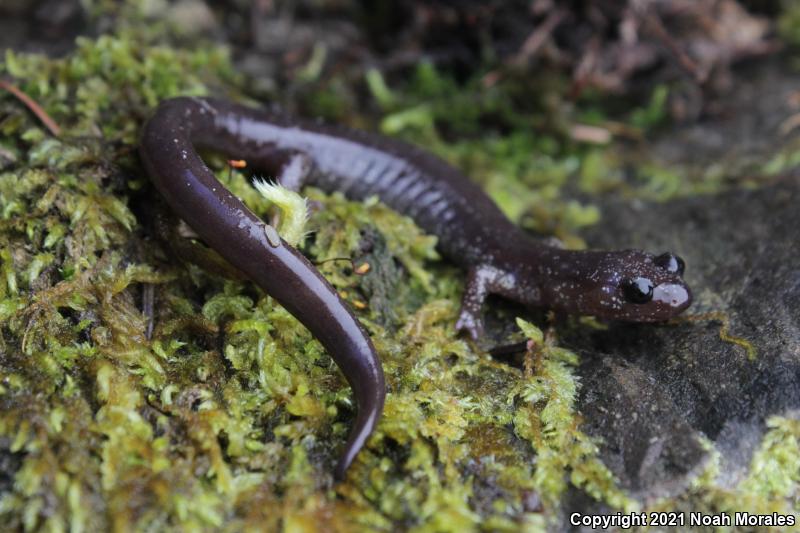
547,418
789,22
769,486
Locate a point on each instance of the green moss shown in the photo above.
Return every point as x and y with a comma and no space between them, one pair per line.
775,467
789,22
654,113
784,161
549,421
770,485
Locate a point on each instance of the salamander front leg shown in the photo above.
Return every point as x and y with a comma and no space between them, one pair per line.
482,281
479,281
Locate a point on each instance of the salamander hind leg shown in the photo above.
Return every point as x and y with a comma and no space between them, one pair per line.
296,171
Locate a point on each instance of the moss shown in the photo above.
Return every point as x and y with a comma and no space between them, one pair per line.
548,420
231,416
783,161
789,22
293,211
768,486
654,113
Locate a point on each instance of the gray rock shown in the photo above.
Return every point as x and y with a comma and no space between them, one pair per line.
653,392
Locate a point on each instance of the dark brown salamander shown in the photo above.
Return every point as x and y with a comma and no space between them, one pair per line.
501,259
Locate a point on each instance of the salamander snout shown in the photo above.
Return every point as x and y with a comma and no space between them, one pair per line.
642,291
674,295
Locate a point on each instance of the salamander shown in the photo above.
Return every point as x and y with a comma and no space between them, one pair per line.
499,257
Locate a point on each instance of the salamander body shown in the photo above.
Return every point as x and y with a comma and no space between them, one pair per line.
500,258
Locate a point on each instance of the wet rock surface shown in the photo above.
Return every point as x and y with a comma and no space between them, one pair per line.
653,393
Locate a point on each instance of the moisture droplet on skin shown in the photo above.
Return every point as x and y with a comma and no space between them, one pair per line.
272,236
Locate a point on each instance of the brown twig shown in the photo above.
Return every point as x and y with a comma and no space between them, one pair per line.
33,106
790,124
590,134
538,37
688,65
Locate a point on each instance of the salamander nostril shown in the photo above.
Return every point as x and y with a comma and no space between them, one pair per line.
671,263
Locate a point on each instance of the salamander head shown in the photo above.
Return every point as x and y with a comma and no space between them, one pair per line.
628,285
640,287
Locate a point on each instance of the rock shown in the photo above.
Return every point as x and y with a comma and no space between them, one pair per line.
652,393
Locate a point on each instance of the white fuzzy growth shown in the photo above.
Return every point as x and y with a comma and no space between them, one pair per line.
294,211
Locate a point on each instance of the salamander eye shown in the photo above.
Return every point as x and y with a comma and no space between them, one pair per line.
638,290
671,263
